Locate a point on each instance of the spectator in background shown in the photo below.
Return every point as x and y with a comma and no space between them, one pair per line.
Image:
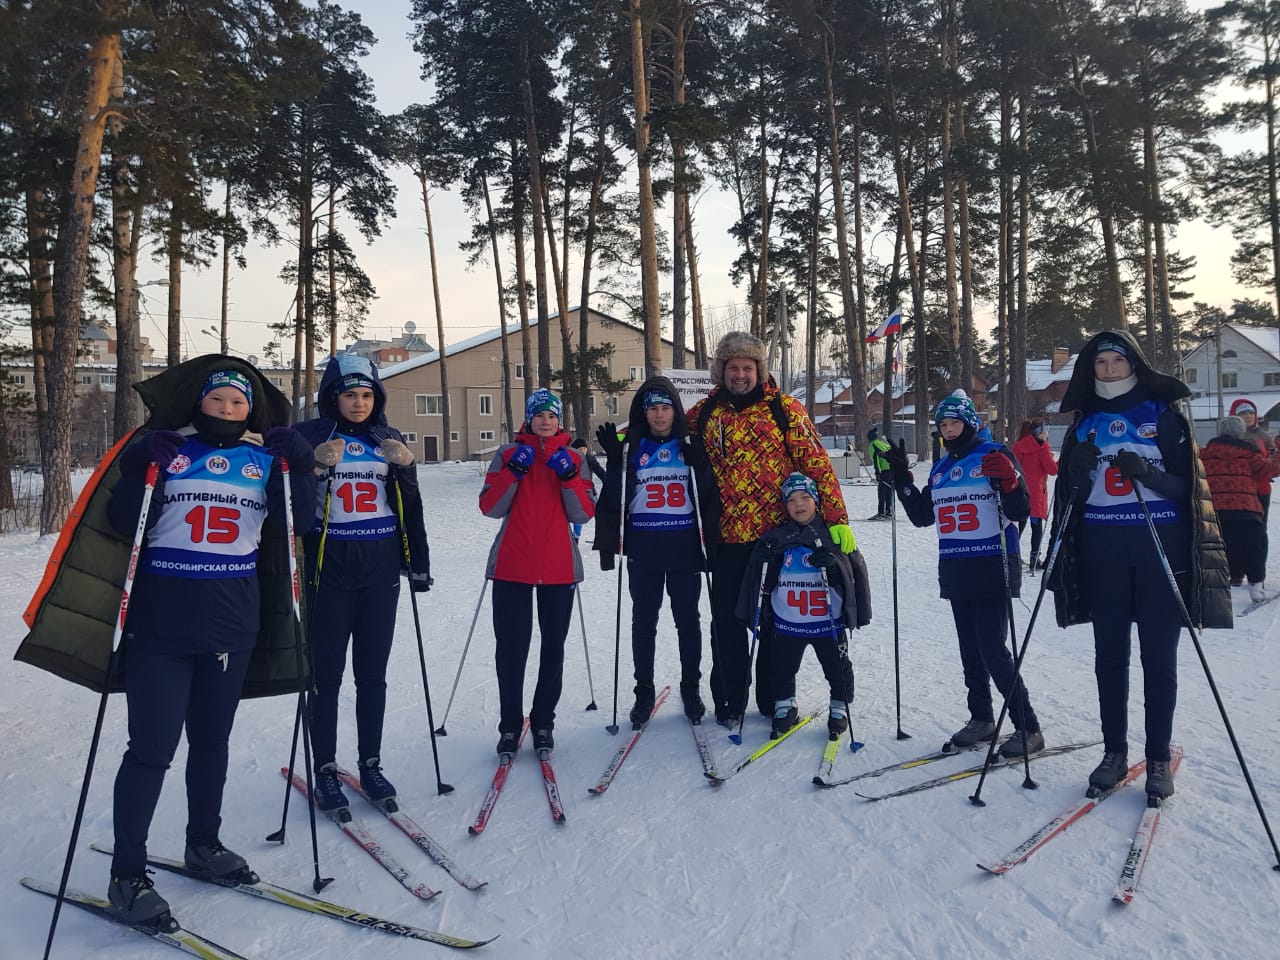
1036,458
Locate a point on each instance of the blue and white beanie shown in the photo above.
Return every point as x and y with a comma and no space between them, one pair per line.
655,397
353,372
540,400
798,481
1114,344
958,406
228,378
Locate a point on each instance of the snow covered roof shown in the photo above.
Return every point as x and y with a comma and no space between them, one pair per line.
825,391
1265,338
1206,407
1040,374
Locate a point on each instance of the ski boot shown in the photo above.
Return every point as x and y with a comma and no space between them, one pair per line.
134,900
508,744
328,789
376,786
1159,782
691,696
785,716
543,743
215,861
644,705
837,720
970,735
1022,742
1108,773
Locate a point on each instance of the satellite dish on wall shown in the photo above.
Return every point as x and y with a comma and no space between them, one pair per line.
253,360
409,328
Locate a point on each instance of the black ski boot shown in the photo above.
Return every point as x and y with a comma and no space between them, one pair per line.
214,860
644,705
1021,743
508,743
543,742
785,716
971,734
376,786
1159,782
1034,564
328,786
1109,772
838,720
694,708
134,900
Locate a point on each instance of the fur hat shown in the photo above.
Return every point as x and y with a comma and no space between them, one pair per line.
739,343
1245,405
1231,427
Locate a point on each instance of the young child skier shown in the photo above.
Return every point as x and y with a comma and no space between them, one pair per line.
971,489
652,507
800,606
194,613
367,502
537,487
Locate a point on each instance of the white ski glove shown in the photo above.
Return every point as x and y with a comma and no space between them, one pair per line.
329,454
393,451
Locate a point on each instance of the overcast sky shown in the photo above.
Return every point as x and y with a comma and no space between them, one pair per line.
397,261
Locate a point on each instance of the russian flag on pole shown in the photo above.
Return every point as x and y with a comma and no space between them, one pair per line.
891,324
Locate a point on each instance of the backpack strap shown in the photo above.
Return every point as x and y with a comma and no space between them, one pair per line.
775,408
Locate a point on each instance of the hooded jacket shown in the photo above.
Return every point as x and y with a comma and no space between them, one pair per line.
533,545
676,550
72,616
1035,456
750,458
1206,591
1233,467
351,564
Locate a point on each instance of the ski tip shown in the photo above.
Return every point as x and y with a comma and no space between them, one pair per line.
993,871
819,782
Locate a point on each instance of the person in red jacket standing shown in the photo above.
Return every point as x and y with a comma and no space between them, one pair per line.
1036,458
1234,465
536,486
1247,411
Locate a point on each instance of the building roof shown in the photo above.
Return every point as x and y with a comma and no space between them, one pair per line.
1206,407
1264,338
1041,375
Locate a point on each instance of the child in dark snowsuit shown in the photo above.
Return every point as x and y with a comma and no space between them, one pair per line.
194,613
649,514
798,605
537,486
973,488
355,555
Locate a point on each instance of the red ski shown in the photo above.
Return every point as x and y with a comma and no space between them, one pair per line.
495,788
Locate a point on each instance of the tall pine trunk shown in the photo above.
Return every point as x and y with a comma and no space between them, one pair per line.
435,293
509,424
648,227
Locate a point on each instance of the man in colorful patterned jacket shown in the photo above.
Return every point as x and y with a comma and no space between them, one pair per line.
740,427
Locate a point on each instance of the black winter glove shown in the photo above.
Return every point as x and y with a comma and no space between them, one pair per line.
1130,466
1083,461
607,437
896,457
695,455
420,582
289,444
160,446
823,558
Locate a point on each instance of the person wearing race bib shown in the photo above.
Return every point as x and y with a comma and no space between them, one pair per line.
649,501
537,487
1126,431
801,607
971,489
355,556
193,616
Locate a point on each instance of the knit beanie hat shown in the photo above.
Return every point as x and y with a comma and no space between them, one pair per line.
540,400
1243,405
958,406
798,481
655,397
738,344
1115,345
228,378
1231,427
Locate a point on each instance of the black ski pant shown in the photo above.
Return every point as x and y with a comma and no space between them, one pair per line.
884,492
513,628
1266,512
981,627
788,652
165,692
684,588
729,647
367,618
1119,595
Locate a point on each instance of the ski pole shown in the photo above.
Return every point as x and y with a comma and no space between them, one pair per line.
1208,674
1054,547
441,731
842,652
897,669
582,622
318,883
278,835
622,559
441,787
149,486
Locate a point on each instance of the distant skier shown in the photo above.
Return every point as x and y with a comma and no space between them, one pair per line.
660,535
968,489
798,610
537,487
355,556
876,447
194,612
1035,456
1127,429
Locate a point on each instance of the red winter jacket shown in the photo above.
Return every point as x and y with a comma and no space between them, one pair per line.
1038,466
533,545
1234,467
1271,451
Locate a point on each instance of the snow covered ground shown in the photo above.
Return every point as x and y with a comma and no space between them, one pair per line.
663,864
